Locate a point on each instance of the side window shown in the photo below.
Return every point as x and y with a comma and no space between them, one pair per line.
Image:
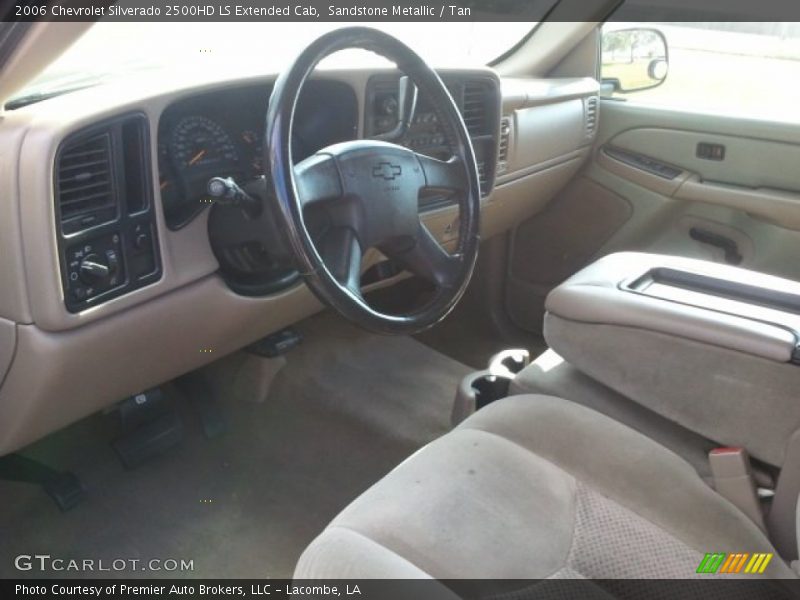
744,69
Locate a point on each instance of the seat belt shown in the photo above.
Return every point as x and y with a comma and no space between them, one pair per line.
796,563
783,519
733,479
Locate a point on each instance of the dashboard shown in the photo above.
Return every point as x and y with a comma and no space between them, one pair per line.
220,134
110,281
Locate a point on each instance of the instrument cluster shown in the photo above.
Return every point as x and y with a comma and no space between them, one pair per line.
220,134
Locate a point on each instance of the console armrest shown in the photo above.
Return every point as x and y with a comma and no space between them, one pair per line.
711,347
705,302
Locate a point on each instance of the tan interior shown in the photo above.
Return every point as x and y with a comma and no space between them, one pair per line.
58,346
567,229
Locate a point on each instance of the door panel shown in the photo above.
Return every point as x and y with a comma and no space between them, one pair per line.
741,206
775,165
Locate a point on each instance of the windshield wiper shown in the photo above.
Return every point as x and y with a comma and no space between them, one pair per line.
39,96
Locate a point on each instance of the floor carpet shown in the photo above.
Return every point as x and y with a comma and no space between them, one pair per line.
347,407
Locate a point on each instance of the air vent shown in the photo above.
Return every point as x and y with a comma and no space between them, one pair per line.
84,177
502,154
476,106
590,106
484,177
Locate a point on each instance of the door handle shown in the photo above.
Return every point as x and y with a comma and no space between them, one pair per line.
726,244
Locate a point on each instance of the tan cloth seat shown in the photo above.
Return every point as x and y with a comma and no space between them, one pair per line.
535,487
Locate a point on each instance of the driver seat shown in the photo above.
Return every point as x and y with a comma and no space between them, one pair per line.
535,487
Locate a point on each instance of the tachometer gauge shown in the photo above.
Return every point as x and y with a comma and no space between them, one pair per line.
198,142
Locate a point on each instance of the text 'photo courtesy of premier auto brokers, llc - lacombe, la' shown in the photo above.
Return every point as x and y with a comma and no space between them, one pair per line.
265,590
237,10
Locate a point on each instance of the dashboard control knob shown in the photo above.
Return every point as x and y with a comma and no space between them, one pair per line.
93,269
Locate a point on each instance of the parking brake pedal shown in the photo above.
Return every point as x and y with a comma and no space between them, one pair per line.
276,344
151,427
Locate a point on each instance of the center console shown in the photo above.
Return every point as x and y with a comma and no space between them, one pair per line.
711,347
105,215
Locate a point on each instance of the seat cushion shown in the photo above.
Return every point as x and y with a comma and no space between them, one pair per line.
535,487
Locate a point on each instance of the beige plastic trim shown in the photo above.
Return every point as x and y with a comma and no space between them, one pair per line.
186,254
525,93
594,295
8,345
775,167
620,116
520,198
59,377
545,133
67,366
660,185
13,292
547,123
775,206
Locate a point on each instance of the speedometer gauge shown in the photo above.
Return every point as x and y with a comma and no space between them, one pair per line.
198,142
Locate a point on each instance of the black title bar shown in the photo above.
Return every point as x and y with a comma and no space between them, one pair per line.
399,10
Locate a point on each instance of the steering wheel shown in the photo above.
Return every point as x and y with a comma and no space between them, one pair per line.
370,191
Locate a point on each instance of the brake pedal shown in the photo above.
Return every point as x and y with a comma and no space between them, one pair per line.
151,427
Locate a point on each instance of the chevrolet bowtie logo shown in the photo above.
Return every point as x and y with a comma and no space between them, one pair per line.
387,171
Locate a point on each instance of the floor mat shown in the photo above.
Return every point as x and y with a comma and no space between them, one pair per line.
347,408
467,335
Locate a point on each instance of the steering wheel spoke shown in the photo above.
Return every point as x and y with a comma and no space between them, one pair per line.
425,257
444,175
341,252
317,179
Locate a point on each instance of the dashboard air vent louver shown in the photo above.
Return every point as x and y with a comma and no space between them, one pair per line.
84,178
476,99
502,154
591,105
484,177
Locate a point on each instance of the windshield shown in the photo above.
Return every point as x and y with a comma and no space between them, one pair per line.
110,50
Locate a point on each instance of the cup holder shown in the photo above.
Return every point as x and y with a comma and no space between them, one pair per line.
481,388
488,388
509,362
477,390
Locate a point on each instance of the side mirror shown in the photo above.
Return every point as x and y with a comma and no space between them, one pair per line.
634,59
